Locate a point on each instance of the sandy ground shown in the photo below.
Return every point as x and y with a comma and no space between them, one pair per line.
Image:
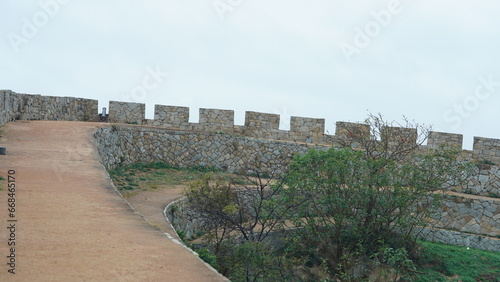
71,224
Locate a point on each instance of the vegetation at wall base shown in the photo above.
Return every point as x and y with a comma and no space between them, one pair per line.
486,163
441,262
345,214
347,210
432,262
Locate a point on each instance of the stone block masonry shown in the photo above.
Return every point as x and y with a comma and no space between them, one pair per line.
171,117
309,130
120,145
460,239
187,221
261,124
257,125
478,216
216,120
485,181
15,106
8,106
447,139
123,112
487,149
350,129
395,135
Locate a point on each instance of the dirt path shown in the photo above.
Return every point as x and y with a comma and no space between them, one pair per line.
152,203
71,224
469,196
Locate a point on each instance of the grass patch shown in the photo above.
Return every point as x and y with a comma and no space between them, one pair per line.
493,195
154,175
126,188
483,162
181,234
442,262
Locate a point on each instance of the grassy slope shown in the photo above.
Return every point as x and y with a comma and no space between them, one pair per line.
455,263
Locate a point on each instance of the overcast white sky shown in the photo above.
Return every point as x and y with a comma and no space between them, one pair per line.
437,62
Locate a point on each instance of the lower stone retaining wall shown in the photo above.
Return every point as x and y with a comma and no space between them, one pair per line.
485,182
478,216
185,220
461,239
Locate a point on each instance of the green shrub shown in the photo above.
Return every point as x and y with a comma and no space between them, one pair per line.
207,256
181,234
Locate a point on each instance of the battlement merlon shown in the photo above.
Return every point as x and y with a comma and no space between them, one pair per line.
395,135
125,112
171,116
261,121
307,125
486,149
437,139
216,119
351,129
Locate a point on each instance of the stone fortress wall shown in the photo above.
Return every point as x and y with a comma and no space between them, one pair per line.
14,106
215,140
265,125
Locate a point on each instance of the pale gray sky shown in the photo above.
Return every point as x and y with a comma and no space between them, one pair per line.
437,63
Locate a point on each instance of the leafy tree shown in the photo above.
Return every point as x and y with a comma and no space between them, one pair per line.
367,199
379,193
254,261
239,221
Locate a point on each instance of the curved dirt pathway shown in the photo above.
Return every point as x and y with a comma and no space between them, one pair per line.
152,203
71,224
